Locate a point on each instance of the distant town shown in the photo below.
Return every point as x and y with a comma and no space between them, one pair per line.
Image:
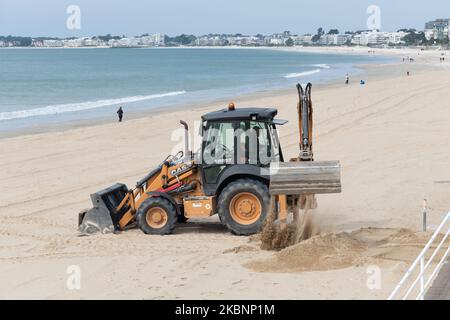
435,33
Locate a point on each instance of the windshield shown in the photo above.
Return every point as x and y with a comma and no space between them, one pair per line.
239,142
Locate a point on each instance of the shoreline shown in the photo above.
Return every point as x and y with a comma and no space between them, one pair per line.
368,72
361,70
171,109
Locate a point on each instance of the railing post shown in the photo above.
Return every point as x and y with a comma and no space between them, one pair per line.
424,215
422,281
421,277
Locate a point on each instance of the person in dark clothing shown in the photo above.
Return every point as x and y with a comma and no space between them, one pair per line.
120,114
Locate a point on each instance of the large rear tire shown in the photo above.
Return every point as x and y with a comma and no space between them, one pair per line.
156,216
243,206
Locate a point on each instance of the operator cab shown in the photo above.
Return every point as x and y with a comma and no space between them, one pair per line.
239,139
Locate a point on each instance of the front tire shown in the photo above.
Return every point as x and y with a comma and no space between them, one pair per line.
156,216
243,206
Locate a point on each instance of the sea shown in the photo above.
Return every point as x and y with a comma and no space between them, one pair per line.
43,88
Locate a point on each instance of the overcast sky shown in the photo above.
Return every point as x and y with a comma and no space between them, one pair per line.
135,17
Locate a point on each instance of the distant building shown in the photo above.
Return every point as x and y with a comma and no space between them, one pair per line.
438,24
437,29
93,42
74,43
378,38
209,41
276,41
334,39
341,39
303,40
360,39
53,43
431,34
129,42
37,43
395,38
113,43
154,40
326,40
373,38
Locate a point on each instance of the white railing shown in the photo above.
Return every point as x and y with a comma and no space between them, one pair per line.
423,263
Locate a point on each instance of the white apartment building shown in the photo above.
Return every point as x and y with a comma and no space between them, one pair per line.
378,38
396,37
436,33
276,41
357,39
334,39
126,42
53,43
74,43
242,41
155,40
210,41
437,29
373,38
326,40
431,34
87,42
341,39
303,40
201,41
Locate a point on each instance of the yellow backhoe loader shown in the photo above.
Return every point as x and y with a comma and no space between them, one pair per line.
239,167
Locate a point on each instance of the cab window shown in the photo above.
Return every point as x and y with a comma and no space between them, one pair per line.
238,142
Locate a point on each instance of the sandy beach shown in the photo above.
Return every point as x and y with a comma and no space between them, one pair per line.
391,136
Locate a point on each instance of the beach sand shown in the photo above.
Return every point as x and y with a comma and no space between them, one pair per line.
392,137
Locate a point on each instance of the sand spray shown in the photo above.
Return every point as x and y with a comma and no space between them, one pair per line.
276,235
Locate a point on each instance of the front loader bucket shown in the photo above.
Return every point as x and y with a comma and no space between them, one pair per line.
103,217
305,178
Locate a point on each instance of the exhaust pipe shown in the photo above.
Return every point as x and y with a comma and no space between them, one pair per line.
187,152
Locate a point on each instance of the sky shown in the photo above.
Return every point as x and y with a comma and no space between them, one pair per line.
135,17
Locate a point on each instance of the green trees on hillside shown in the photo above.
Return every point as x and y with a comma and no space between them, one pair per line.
289,42
414,38
18,41
320,33
183,39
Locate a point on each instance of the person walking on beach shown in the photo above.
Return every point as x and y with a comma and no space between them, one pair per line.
120,114
347,79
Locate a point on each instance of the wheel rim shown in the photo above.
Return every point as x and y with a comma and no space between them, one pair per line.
156,217
245,208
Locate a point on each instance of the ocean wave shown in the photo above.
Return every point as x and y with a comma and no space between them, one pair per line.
302,74
72,107
322,66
